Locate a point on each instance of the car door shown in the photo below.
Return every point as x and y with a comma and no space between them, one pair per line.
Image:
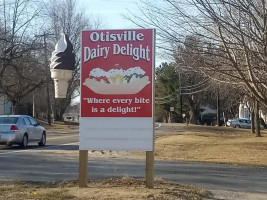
242,123
29,128
248,123
37,132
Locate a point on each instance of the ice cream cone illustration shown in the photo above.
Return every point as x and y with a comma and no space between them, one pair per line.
62,66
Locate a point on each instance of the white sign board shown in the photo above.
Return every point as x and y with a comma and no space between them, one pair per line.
117,77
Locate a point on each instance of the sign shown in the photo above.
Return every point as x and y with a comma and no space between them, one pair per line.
117,76
171,109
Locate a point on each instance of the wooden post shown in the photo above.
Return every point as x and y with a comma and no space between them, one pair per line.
150,169
83,168
150,154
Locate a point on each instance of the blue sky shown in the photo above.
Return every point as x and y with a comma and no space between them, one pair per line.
111,11
111,14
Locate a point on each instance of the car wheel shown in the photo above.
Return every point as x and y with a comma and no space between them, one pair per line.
43,140
24,142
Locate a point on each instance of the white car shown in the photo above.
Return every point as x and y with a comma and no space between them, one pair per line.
240,123
21,129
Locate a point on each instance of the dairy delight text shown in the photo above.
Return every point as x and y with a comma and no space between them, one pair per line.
128,48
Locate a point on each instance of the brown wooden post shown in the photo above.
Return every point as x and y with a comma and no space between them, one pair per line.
83,168
150,169
150,154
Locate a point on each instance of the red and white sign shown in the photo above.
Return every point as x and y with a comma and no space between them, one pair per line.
117,75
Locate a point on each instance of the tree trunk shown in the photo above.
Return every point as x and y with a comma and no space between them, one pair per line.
252,122
14,108
59,111
193,115
193,110
58,115
47,81
257,119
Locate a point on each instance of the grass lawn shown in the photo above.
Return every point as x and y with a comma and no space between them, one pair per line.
211,144
59,126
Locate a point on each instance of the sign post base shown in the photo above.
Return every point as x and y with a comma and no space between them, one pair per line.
150,169
83,168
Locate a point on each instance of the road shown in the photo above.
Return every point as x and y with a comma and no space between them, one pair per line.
59,161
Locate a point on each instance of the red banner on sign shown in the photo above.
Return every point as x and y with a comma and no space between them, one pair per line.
117,73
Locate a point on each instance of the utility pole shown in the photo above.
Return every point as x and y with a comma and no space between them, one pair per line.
33,104
47,77
218,106
181,97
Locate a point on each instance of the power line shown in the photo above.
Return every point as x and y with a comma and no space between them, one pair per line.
186,90
196,85
195,92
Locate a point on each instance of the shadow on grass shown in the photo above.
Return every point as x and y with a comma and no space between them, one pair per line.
47,147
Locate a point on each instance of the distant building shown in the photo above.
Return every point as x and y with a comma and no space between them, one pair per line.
207,115
243,111
72,113
263,115
5,106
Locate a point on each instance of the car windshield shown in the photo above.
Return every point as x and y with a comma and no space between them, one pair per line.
8,120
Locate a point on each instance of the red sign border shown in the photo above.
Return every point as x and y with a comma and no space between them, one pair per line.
152,104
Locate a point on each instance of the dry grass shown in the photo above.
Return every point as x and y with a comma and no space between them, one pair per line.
60,126
212,144
119,189
27,191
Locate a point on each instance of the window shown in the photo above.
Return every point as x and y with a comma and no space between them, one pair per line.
33,122
26,121
8,120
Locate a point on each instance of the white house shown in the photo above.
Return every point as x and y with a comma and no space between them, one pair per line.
263,116
5,105
244,112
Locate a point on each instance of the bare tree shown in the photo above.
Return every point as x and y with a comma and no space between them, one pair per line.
17,49
233,32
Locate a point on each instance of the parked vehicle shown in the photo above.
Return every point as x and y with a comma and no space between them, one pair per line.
21,130
240,123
